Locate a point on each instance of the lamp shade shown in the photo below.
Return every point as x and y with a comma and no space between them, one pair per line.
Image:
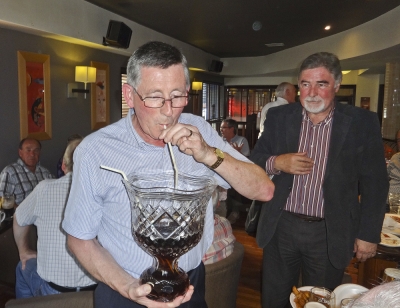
197,85
85,74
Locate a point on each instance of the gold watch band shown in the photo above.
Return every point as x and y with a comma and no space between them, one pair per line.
220,158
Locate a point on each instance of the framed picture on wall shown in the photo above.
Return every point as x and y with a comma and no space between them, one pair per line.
100,96
365,102
34,95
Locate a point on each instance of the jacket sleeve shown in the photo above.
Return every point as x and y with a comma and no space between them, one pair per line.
373,183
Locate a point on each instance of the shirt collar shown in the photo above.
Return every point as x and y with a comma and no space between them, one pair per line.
326,121
21,163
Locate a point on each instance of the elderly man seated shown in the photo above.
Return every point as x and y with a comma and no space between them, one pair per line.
52,269
224,240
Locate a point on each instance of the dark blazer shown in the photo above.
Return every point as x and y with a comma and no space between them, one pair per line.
356,164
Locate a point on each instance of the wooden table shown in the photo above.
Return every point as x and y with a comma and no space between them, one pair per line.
5,225
370,272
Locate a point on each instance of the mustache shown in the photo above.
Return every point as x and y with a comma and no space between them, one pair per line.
313,99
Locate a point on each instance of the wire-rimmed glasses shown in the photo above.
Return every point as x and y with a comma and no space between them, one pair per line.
158,102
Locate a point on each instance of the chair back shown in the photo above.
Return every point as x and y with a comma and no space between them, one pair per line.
222,279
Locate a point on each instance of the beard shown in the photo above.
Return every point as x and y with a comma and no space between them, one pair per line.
314,104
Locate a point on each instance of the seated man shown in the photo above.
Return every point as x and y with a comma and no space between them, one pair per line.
229,132
21,177
60,172
52,269
224,240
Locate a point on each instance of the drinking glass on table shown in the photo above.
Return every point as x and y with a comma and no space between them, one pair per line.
394,203
346,302
391,274
2,216
8,205
323,296
390,223
313,305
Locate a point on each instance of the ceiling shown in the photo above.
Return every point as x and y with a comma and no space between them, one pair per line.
224,28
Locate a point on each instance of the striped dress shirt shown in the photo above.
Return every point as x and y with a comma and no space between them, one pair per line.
306,196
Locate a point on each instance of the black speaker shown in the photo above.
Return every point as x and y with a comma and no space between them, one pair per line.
118,35
216,66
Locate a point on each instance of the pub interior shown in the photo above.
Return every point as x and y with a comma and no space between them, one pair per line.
70,33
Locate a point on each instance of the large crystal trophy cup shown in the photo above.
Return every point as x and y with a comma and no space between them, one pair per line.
167,222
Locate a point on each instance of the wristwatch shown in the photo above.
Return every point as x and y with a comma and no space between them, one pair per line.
220,158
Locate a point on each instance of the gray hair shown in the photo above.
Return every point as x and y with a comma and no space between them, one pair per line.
155,54
69,153
281,88
323,59
21,143
232,123
386,295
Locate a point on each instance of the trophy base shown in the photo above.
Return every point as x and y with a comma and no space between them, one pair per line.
166,286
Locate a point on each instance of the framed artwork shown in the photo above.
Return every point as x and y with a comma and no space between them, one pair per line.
100,96
365,102
34,95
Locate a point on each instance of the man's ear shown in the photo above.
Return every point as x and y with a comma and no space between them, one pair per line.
64,168
127,90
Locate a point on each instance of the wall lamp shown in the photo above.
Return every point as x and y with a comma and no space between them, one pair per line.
197,85
85,74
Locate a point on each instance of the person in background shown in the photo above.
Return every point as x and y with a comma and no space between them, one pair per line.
398,140
285,93
221,209
98,213
393,169
21,177
323,155
224,240
60,172
52,269
229,130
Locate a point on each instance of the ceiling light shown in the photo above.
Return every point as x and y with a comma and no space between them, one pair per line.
345,72
275,45
257,25
328,27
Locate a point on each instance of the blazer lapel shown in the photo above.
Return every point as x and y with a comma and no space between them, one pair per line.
293,124
340,127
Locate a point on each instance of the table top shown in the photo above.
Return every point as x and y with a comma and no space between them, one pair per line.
5,225
388,253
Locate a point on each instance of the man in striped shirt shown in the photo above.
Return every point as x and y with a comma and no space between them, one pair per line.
323,155
21,177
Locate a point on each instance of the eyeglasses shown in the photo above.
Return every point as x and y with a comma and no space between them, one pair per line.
223,127
158,102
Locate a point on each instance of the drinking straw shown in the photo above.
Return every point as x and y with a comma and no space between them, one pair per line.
115,170
173,162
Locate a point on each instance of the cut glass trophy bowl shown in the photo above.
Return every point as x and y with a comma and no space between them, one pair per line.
166,223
